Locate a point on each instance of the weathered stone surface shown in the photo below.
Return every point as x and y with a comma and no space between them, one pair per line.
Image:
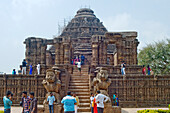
52,84
57,108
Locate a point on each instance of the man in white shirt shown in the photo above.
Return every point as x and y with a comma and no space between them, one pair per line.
100,98
51,100
79,66
38,69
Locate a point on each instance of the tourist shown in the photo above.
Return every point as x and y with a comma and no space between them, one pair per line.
20,71
114,99
24,67
79,66
76,106
82,59
7,100
69,103
92,104
38,69
13,72
76,59
123,68
117,100
30,70
144,70
100,98
33,104
26,102
149,70
72,61
51,100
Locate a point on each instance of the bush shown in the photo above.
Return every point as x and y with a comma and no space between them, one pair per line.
154,111
1,111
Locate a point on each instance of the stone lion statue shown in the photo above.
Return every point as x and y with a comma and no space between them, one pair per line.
101,81
52,84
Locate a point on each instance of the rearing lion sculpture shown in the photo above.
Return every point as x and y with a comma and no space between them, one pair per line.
101,81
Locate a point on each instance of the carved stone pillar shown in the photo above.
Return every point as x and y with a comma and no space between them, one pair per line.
57,53
101,53
66,53
105,53
135,51
118,54
43,54
61,54
95,55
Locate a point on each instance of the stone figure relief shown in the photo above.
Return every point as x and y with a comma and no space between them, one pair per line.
101,81
52,84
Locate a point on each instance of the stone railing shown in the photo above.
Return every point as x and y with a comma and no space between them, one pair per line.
135,90
19,83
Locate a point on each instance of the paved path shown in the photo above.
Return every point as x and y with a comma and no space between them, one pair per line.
124,110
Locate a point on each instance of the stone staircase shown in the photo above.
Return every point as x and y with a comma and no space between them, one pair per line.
80,85
84,48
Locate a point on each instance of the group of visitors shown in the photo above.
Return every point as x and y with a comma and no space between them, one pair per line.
29,103
78,59
71,103
144,70
23,68
31,69
97,102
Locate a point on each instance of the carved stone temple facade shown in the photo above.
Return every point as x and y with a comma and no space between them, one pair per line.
104,51
86,35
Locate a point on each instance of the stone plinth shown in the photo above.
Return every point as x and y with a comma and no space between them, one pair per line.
40,109
108,108
57,108
116,109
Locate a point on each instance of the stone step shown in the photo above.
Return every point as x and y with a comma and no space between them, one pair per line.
79,84
84,109
78,87
84,104
84,100
81,77
82,73
84,53
84,97
78,90
83,50
82,93
79,81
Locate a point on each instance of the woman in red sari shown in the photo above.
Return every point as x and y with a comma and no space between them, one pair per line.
95,106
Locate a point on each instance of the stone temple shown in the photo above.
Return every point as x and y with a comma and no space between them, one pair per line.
86,35
104,51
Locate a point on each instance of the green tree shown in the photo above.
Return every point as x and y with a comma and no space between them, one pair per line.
157,55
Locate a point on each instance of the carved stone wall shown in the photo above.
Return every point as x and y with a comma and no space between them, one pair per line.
136,90
36,53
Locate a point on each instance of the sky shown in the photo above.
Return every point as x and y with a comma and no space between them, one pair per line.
20,19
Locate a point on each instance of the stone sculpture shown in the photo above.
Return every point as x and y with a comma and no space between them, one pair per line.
102,82
52,84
